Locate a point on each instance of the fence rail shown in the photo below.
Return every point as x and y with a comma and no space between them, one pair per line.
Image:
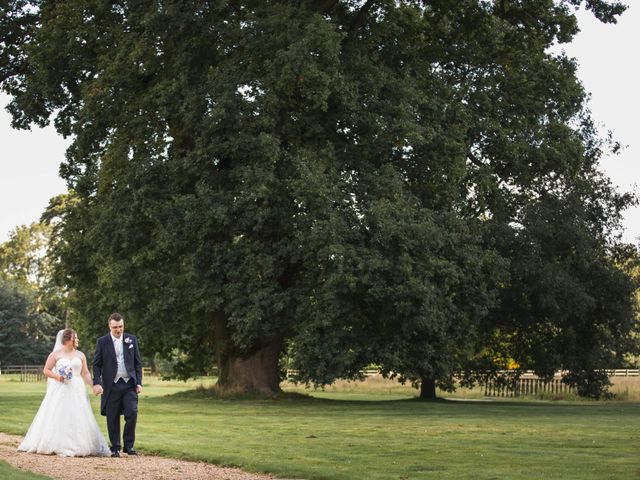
620,372
529,383
624,372
369,372
525,386
33,373
28,373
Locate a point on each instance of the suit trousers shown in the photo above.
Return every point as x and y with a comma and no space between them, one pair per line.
123,399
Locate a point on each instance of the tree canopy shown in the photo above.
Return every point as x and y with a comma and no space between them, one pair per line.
411,183
31,304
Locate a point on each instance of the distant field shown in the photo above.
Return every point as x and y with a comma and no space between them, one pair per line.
375,431
626,388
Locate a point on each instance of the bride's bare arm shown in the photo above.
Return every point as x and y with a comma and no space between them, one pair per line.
48,368
85,371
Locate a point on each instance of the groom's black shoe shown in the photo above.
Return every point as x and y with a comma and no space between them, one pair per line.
115,453
130,451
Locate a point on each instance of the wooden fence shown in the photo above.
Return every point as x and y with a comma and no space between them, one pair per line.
27,373
624,372
525,386
369,372
530,384
33,373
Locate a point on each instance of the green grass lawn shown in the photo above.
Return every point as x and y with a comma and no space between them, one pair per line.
376,434
8,472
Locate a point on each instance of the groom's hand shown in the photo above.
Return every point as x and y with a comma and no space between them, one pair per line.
138,389
97,389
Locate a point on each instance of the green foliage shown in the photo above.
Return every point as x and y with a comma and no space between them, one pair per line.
25,337
22,256
25,260
627,258
32,302
404,183
566,303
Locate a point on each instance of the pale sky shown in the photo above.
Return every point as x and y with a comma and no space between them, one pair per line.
29,160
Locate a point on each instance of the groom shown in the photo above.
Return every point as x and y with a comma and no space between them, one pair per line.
117,376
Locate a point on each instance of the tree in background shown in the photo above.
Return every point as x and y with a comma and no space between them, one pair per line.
566,304
349,181
25,336
627,258
25,259
33,305
23,255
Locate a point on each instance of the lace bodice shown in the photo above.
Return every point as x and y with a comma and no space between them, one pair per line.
74,363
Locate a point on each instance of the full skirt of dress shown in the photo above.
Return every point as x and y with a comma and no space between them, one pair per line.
65,424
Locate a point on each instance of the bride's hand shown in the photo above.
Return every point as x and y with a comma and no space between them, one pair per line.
60,378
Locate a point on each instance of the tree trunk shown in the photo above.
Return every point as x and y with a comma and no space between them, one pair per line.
255,370
427,389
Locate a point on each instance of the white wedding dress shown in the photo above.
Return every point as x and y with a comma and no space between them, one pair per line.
65,424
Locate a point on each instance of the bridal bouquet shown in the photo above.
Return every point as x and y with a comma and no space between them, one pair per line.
66,373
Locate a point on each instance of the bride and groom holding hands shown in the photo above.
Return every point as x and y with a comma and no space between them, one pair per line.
65,424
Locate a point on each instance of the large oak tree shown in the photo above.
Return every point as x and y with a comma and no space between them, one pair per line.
346,181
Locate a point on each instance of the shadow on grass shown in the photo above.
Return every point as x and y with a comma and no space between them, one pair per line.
215,393
408,406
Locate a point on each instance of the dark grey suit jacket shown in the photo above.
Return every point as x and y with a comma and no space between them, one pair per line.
105,365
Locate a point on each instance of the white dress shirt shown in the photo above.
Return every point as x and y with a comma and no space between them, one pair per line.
122,370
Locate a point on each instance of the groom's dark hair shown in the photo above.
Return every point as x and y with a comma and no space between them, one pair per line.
115,316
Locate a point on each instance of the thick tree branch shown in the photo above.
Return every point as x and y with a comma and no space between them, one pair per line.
361,16
475,160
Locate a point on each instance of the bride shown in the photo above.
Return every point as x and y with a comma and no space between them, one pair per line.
65,424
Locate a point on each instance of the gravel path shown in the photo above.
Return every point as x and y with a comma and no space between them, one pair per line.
142,467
